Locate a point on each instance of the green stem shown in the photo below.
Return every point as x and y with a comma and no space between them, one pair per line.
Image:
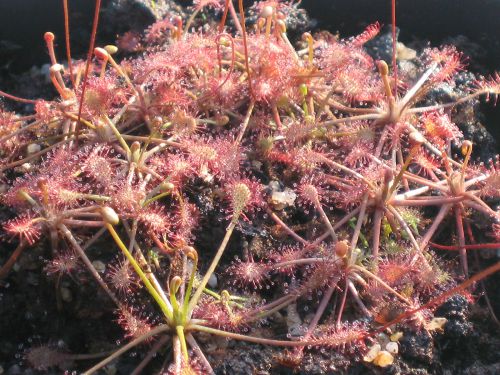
155,198
211,269
118,135
187,295
152,291
182,338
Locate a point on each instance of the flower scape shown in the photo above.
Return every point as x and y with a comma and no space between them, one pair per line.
228,183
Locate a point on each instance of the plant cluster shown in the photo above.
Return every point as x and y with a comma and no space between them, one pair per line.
337,172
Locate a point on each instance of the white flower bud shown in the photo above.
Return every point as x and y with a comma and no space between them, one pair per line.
109,216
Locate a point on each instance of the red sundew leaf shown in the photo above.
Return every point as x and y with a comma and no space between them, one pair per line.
25,227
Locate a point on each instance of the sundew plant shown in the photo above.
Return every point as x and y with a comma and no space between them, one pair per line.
234,176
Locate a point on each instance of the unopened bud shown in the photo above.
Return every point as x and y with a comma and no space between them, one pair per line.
466,147
341,248
135,149
111,49
56,68
383,68
267,11
109,216
49,41
135,146
49,37
101,53
166,187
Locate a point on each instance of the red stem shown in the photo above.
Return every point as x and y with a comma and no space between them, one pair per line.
461,239
244,31
468,247
16,98
224,16
95,22
394,45
68,44
5,269
479,276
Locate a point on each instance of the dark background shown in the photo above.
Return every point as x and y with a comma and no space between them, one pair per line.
23,23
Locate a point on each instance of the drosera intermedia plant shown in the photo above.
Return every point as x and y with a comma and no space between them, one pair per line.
181,303
222,123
